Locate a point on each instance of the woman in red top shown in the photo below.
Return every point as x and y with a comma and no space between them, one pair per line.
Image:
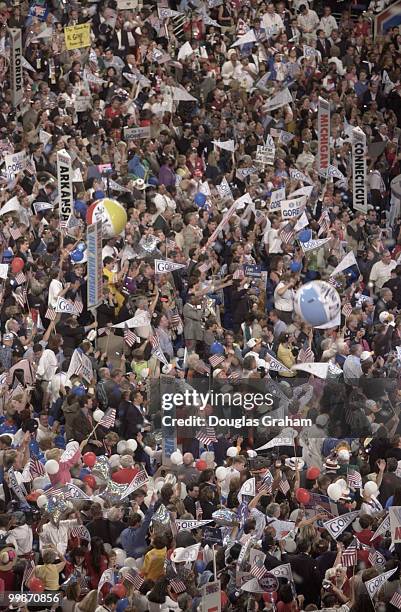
96,562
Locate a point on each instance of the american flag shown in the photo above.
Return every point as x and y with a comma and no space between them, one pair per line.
171,244
81,532
334,282
350,555
376,558
306,355
20,278
129,337
287,234
324,223
51,314
157,349
108,419
36,468
204,267
28,571
239,274
216,360
224,189
20,298
258,570
175,320
206,436
347,309
15,233
354,479
266,483
78,305
396,600
284,485
178,586
135,579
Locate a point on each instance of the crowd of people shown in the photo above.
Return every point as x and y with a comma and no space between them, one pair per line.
197,119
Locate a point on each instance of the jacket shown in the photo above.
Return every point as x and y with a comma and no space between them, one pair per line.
133,538
192,323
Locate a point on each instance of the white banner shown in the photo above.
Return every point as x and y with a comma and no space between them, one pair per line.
163,266
248,37
137,482
374,585
190,524
337,525
265,154
137,133
283,571
292,209
15,163
95,264
245,199
395,524
16,74
138,321
80,365
313,244
300,176
190,553
382,528
348,261
211,597
227,145
323,122
248,488
281,99
279,441
359,172
65,188
65,306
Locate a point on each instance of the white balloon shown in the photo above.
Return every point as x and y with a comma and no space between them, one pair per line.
98,415
121,555
121,447
343,454
221,473
114,460
132,444
176,458
41,501
232,451
334,491
370,488
52,466
130,562
342,483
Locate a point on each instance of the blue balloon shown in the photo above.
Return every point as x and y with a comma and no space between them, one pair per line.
295,266
200,566
81,246
200,199
77,256
79,391
83,472
217,349
305,235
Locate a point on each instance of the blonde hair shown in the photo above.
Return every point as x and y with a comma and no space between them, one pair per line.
89,602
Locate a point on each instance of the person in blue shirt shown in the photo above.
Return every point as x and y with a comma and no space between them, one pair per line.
133,539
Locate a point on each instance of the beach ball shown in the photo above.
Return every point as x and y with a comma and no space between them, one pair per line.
112,214
317,303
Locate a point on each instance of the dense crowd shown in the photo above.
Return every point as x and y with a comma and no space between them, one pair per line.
186,127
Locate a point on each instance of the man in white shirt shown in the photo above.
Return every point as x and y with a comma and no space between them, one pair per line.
381,270
328,22
231,70
56,535
308,22
271,21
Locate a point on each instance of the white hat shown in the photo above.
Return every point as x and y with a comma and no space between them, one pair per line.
365,355
253,342
293,462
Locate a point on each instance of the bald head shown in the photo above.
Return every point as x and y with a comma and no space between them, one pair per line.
188,458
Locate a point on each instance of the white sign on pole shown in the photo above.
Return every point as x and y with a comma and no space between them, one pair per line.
16,74
15,163
359,171
211,597
65,189
95,264
137,132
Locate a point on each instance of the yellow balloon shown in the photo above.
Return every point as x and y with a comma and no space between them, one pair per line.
112,214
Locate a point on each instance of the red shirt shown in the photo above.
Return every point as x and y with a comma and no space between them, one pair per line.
124,475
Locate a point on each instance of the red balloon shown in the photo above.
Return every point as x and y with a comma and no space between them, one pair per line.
89,459
90,481
36,585
17,265
201,465
312,473
302,496
119,590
